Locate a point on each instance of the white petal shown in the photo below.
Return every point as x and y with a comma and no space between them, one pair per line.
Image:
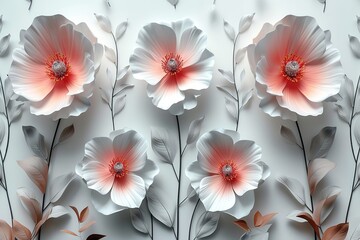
97,176
180,27
243,205
192,45
251,175
195,174
104,204
96,148
130,192
148,173
216,194
269,76
245,152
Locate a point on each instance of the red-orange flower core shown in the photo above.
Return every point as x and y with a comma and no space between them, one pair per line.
228,171
172,63
118,167
57,67
292,68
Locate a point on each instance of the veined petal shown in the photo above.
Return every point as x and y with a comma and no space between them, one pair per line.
104,204
192,45
128,192
195,174
216,194
245,152
243,205
249,178
148,173
268,74
97,176
99,149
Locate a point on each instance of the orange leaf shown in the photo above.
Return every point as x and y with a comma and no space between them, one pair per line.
69,232
84,214
5,231
86,226
260,220
310,220
20,231
337,232
242,224
37,170
76,212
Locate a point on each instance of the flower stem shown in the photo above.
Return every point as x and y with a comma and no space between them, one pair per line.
236,87
179,182
43,207
307,169
3,157
192,218
356,158
31,2
113,88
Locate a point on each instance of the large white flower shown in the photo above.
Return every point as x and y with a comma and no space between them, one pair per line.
296,68
173,60
118,171
54,68
226,171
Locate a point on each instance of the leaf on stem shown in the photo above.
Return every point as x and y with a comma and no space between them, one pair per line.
260,220
229,30
194,130
245,22
231,108
163,146
140,217
110,54
240,54
67,133
173,2
322,142
14,110
84,215
311,221
207,224
326,204
119,104
318,169
121,29
295,188
6,232
103,22
95,237
35,141
20,231
242,224
31,205
69,232
1,22
345,103
37,170
58,187
337,232
86,226
2,130
4,45
355,46
288,134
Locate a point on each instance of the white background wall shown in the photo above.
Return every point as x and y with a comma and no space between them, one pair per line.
140,114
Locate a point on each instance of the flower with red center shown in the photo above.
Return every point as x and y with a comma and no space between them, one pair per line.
54,69
296,68
226,171
118,171
173,60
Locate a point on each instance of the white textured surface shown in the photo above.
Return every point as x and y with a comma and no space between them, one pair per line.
140,114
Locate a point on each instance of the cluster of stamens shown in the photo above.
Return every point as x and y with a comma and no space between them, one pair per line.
172,63
57,67
292,68
228,171
118,168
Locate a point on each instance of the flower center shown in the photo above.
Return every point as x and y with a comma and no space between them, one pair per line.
292,68
118,167
228,171
172,63
57,67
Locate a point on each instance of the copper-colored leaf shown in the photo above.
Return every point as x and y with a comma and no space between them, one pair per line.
337,232
95,237
20,231
310,220
86,226
318,169
5,231
31,205
84,214
69,232
76,212
242,224
37,170
326,204
260,220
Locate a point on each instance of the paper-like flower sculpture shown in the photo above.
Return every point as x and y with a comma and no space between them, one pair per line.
296,68
118,170
174,61
54,68
226,171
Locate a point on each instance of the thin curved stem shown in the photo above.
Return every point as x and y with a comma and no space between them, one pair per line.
31,2
354,186
43,207
192,218
307,170
113,88
236,87
173,168
179,180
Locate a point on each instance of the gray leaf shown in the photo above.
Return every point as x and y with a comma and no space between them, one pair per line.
15,110
357,131
231,108
240,54
207,224
245,97
66,133
122,72
288,134
326,203
140,218
173,2
121,29
35,141
358,26
4,45
318,169
2,131
322,142
345,104
228,89
110,54
163,146
191,193
107,90
355,46
58,187
1,22
358,172
295,188
227,75
245,22
158,210
122,87
356,234
229,30
119,104
239,82
194,130
103,22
